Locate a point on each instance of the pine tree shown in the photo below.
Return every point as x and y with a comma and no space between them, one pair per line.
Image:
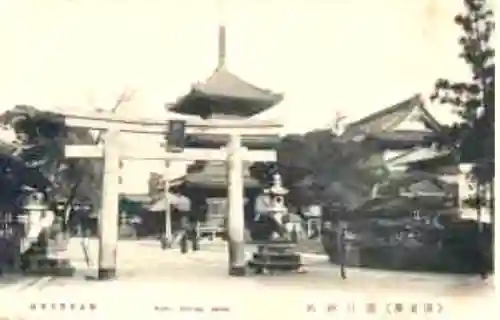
474,100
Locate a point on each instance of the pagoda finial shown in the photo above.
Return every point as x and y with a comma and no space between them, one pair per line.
221,54
221,37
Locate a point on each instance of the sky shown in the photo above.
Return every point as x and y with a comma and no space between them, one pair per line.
326,56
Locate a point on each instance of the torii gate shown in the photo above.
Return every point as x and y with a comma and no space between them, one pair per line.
234,154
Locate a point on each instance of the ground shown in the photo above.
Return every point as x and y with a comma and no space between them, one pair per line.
199,279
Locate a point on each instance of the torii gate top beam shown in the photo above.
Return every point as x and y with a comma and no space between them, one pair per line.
106,120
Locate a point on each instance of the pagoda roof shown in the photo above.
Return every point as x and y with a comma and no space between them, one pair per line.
388,119
214,175
224,86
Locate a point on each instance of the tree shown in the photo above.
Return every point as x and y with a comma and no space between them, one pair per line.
474,101
41,137
313,164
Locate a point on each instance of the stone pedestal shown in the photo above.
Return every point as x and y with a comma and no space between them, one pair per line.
276,256
280,252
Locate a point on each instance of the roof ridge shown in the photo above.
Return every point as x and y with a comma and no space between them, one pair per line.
400,105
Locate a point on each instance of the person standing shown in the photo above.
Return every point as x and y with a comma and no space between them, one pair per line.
342,248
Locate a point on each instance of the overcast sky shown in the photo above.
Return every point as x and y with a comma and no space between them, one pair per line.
326,56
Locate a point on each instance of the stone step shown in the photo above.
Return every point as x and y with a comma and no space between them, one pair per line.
277,257
271,264
287,261
276,245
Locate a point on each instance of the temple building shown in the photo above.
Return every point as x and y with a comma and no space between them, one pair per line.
222,96
406,133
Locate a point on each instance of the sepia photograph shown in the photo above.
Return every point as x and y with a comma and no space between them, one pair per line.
246,159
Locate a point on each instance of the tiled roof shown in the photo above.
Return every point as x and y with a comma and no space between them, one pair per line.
214,175
445,163
416,155
403,136
388,119
223,84
226,84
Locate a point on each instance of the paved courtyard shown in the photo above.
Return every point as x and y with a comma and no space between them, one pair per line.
149,276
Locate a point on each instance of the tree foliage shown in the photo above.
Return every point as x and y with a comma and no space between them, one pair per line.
474,100
41,137
313,164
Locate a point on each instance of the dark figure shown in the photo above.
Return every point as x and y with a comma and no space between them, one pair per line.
342,250
189,233
483,261
249,215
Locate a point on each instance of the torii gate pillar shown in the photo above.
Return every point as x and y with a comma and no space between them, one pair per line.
108,216
236,222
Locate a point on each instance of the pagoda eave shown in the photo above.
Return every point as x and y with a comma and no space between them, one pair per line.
202,104
212,177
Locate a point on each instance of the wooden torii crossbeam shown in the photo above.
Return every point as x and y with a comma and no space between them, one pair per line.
234,154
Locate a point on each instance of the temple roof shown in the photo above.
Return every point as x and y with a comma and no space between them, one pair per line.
403,139
388,119
224,92
444,163
416,155
214,175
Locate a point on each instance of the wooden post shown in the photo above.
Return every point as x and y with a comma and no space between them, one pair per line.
108,219
236,223
167,236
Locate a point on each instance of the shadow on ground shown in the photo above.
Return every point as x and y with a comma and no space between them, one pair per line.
42,268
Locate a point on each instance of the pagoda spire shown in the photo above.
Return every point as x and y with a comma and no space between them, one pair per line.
221,35
221,54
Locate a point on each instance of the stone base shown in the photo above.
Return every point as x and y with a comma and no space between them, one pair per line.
237,271
165,243
106,273
276,256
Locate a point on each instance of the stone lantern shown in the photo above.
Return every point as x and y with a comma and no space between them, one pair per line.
36,217
277,208
279,252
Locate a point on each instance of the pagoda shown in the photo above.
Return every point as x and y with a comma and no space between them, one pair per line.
222,96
